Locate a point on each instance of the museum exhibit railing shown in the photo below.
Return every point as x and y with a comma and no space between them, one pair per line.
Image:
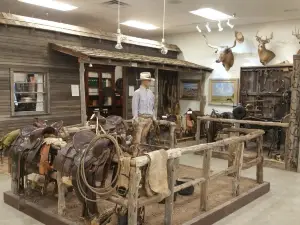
236,123
133,202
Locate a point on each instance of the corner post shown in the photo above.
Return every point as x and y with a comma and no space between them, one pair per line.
238,164
169,202
260,165
133,194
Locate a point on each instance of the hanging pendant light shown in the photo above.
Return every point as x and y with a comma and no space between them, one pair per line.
220,26
198,28
207,27
119,34
229,24
164,49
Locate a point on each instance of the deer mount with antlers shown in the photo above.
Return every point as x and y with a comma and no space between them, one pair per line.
297,35
264,54
225,54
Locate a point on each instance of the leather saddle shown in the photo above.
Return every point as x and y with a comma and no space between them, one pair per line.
71,155
111,123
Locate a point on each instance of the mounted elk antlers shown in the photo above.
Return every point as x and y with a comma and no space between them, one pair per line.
297,35
225,53
264,54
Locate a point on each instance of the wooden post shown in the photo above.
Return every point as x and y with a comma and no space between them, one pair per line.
61,203
286,149
172,135
260,165
82,93
238,164
204,186
198,133
156,92
169,202
134,182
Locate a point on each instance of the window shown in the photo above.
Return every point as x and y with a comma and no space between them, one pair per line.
29,93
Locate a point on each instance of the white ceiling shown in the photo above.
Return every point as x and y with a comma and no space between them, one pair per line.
93,14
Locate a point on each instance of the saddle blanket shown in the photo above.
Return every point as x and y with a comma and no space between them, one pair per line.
157,175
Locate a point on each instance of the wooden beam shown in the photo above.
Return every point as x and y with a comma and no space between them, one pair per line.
23,21
125,63
82,93
177,152
272,124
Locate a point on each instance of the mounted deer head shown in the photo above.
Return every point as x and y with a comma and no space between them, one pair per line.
225,54
264,54
297,35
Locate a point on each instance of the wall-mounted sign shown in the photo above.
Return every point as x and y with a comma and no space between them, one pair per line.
75,89
131,91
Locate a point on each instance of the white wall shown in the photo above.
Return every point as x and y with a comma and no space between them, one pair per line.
194,49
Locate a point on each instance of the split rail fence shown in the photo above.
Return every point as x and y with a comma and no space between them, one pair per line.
133,201
285,126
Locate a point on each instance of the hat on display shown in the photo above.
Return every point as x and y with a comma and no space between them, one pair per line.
146,76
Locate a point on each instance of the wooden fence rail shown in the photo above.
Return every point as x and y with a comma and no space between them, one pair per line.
134,202
284,126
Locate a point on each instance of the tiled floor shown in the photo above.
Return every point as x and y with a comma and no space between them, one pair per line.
279,207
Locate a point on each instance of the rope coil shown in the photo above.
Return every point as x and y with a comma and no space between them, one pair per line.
80,175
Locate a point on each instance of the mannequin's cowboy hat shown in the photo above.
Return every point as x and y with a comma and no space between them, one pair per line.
146,76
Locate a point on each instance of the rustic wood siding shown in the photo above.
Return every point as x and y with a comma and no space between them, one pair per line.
29,48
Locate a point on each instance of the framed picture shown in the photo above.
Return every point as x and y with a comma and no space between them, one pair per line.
190,89
223,92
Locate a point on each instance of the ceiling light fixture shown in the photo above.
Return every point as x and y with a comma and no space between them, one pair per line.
164,49
139,25
207,27
51,4
211,14
199,30
220,26
229,24
90,65
119,34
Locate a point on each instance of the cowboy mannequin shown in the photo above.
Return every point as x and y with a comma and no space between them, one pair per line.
143,109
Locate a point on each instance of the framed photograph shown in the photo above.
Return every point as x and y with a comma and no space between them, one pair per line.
223,92
190,89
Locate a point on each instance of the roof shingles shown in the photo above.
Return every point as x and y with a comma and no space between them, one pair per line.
80,51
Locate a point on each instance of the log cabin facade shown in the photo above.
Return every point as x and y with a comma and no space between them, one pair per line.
55,57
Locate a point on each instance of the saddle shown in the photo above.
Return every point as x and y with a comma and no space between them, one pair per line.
70,156
111,123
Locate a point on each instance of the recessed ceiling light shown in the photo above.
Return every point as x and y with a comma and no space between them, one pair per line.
51,4
211,14
139,25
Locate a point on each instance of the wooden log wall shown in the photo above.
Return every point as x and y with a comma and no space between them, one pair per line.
29,48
